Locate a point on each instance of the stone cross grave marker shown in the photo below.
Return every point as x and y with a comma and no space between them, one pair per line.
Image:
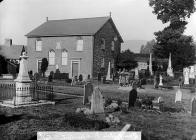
193,107
178,97
97,101
88,90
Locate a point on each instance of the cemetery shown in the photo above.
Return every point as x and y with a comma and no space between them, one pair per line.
82,75
159,113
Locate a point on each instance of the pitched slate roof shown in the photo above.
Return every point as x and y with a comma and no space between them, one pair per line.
70,27
11,52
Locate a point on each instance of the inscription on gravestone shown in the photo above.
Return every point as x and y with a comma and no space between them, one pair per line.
88,90
97,101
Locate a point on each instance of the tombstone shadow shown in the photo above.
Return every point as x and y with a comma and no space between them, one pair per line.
33,138
7,119
171,109
64,100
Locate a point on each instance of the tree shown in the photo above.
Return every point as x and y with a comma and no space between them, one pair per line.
44,66
3,64
126,60
147,49
171,39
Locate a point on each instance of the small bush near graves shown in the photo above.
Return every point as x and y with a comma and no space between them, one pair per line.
50,78
81,121
80,78
108,101
36,77
68,80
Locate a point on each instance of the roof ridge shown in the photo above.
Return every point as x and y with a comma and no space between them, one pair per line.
79,18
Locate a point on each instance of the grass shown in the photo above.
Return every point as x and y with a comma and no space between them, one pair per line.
23,123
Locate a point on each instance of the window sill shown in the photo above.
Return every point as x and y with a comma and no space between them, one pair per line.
79,51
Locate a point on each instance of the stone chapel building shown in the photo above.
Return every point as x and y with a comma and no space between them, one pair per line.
75,46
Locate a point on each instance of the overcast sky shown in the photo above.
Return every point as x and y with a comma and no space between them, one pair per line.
133,18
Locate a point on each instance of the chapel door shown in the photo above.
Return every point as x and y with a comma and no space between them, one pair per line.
75,70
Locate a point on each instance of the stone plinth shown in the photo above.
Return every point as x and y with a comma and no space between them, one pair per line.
22,93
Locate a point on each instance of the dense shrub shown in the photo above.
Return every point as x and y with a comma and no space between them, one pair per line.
52,73
50,78
108,101
36,77
80,78
68,80
81,121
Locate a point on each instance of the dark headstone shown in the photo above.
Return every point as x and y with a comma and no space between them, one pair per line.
132,97
88,90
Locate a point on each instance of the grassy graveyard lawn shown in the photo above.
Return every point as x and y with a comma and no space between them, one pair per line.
175,123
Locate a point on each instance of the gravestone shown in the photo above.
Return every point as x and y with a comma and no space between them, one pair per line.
186,76
160,100
88,90
97,101
132,97
193,107
178,97
161,81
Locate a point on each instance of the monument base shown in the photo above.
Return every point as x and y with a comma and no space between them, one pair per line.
10,103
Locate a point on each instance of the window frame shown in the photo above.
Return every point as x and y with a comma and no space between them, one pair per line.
64,57
49,58
78,44
38,46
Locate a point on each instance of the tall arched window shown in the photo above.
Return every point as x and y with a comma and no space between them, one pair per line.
51,57
64,57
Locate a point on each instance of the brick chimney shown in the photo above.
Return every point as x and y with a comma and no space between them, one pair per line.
8,42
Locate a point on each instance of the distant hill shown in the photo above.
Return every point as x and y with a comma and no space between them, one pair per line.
133,45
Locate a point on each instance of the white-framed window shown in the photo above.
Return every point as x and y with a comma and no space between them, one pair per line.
64,57
102,62
51,57
103,44
38,45
80,44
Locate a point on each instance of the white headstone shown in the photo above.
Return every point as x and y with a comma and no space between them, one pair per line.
136,73
186,76
161,80
192,72
97,101
178,96
160,100
108,77
150,64
169,68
